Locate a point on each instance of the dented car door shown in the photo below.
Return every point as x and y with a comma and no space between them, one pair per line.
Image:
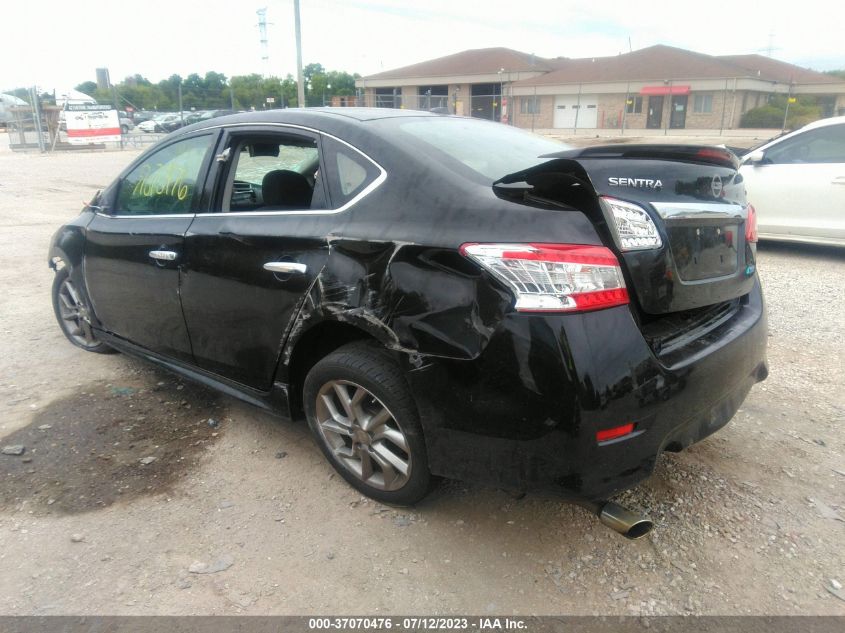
250,263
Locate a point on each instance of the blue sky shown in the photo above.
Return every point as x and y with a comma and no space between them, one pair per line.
157,38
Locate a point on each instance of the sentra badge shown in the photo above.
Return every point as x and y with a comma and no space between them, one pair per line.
636,183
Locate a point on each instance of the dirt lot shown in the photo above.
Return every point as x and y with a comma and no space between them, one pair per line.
242,515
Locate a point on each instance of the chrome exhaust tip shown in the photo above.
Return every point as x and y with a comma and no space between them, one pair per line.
619,519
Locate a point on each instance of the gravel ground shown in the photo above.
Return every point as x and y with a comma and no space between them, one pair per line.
140,494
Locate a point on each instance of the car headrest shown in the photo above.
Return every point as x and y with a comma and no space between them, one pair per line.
285,188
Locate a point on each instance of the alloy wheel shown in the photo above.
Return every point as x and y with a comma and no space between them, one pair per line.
363,435
75,316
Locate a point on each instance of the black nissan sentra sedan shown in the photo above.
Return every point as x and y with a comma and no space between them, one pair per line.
436,295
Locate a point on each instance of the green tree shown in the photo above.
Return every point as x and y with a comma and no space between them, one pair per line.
216,90
342,82
88,87
212,91
136,80
247,90
168,93
289,93
310,70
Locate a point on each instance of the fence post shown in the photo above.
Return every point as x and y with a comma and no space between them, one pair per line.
36,102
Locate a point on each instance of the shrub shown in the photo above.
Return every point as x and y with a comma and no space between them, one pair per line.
805,111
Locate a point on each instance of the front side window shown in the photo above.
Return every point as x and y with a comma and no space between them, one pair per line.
166,182
822,145
702,104
273,173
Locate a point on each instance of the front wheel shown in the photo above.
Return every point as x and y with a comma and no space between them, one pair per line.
362,415
74,315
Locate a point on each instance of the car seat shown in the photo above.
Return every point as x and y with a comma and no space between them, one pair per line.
285,189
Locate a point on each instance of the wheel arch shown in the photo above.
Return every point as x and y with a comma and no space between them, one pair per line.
67,247
312,345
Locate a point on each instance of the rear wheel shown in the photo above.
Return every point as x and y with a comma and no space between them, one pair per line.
362,415
74,315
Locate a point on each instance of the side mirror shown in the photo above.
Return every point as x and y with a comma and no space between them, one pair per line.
754,158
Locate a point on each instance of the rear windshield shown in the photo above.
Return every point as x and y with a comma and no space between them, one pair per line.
490,150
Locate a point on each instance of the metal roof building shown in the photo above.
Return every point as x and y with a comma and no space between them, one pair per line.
655,87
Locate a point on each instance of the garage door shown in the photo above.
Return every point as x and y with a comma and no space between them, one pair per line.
568,106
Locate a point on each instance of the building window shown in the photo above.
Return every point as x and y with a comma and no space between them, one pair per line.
529,105
430,97
388,97
634,105
702,104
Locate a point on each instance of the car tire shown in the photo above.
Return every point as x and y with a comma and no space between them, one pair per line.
362,415
72,312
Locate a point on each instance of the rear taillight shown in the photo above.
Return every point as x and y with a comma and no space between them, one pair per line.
554,277
716,154
751,225
632,226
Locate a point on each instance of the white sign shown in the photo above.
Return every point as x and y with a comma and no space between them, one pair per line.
85,127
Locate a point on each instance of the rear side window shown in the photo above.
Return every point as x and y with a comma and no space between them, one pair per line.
165,182
348,172
491,150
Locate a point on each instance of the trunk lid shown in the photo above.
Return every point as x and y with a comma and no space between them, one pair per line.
693,194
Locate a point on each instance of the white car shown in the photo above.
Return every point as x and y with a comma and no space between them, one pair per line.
797,184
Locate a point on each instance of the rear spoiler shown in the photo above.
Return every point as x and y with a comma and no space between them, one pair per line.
707,154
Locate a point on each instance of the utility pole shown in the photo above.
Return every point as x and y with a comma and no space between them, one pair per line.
501,91
577,111
786,112
627,99
262,31
300,84
669,118
116,101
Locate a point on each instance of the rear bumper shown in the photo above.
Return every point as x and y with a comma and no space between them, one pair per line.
525,413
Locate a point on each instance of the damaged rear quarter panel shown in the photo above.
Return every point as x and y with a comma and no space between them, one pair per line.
395,272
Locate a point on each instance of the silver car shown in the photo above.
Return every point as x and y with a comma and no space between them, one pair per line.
797,184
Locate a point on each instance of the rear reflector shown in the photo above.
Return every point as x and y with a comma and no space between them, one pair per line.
751,225
554,277
615,432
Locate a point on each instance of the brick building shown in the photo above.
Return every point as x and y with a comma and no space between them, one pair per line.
656,87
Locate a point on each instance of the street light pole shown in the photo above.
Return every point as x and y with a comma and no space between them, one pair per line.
501,91
300,85
786,112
